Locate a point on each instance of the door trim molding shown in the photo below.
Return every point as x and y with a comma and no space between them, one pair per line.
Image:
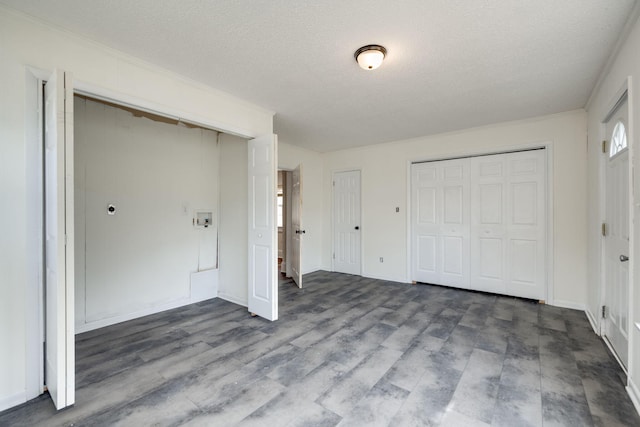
547,145
34,290
34,352
625,90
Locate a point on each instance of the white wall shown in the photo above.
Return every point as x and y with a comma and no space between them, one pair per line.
104,71
233,221
626,65
384,187
289,157
25,42
157,175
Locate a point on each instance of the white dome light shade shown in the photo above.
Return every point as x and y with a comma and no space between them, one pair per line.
370,57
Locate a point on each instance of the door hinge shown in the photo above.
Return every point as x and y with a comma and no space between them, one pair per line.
604,146
604,229
334,183
604,311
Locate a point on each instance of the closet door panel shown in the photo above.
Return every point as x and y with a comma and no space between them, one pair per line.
425,222
508,229
526,257
488,239
440,222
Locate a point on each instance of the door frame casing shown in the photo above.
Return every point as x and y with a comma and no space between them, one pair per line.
624,90
34,290
548,147
294,235
288,227
333,221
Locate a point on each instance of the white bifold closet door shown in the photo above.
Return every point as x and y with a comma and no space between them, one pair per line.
508,224
440,212
479,223
59,348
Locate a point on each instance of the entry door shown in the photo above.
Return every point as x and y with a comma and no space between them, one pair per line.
296,223
616,240
440,222
59,237
262,233
508,231
346,222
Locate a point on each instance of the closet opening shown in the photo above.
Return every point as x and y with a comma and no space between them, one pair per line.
481,222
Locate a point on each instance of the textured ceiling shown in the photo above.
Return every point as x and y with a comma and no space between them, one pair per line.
451,64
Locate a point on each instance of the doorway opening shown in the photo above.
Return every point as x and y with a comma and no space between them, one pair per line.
146,213
55,326
283,203
290,230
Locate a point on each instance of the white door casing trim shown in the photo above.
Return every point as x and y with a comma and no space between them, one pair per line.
100,93
297,225
625,89
288,223
34,289
119,98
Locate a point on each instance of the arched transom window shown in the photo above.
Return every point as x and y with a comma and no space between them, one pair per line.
618,139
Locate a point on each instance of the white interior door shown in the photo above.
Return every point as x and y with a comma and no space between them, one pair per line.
616,240
346,222
440,222
508,231
59,237
263,233
298,231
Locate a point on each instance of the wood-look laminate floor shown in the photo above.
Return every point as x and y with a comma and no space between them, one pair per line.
346,351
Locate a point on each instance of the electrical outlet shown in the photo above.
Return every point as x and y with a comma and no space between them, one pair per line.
397,209
381,259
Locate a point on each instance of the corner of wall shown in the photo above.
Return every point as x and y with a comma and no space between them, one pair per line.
13,400
634,394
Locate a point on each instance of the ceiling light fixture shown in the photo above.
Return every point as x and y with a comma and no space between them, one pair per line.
370,57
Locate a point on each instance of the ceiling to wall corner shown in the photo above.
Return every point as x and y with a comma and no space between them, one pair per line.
451,64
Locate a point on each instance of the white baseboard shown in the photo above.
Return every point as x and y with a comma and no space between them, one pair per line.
568,304
203,286
593,321
96,324
634,394
13,400
311,270
615,355
328,267
233,299
89,326
387,279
